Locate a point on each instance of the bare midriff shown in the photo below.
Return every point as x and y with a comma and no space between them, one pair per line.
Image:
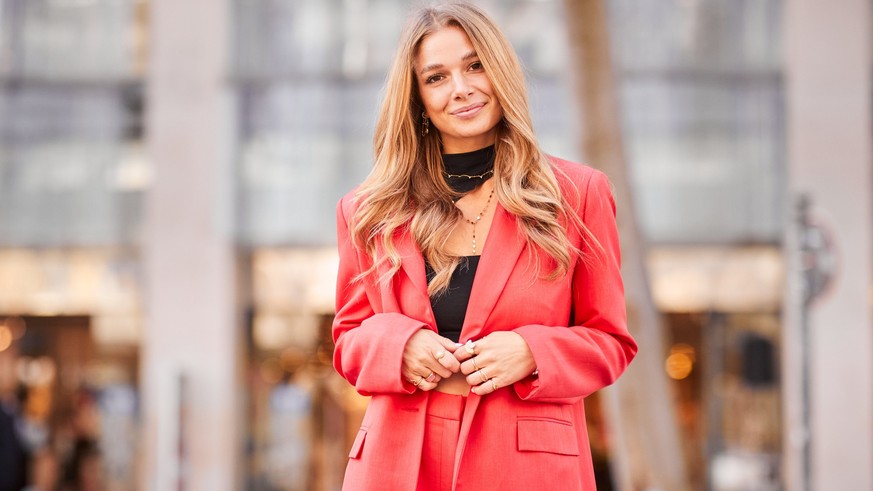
456,384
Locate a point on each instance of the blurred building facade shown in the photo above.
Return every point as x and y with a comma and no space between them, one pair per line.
168,179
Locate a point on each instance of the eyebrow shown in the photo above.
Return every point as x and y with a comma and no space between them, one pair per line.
434,66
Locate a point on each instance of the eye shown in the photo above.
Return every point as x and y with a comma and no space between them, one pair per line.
476,65
433,79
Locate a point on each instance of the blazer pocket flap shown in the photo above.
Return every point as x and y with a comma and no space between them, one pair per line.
547,435
355,452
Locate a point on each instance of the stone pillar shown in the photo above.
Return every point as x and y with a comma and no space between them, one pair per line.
190,368
828,103
646,447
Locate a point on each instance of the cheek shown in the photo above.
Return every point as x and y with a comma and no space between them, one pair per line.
435,97
485,84
498,108
428,105
499,112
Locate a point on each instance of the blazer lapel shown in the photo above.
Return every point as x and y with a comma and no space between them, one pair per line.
503,247
412,261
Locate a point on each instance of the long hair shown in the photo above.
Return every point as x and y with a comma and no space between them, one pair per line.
406,186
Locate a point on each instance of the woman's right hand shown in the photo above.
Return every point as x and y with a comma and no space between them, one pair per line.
428,358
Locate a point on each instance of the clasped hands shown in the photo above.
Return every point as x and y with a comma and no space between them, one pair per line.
497,360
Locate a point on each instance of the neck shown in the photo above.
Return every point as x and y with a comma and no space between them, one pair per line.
462,145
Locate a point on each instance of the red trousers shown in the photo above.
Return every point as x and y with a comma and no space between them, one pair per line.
441,430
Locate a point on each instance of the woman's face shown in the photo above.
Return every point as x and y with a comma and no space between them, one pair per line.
456,91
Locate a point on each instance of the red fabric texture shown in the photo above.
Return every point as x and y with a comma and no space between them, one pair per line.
442,428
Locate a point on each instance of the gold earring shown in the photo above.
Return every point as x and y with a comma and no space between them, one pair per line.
425,124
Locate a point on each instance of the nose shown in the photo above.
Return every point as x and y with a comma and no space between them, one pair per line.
462,87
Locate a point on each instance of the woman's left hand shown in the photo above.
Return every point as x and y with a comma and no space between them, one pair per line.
497,360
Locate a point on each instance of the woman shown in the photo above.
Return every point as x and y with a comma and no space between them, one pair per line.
479,298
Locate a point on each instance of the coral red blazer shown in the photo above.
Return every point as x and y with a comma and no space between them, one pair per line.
530,435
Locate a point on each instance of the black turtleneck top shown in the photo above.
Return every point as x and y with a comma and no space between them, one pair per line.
467,171
463,172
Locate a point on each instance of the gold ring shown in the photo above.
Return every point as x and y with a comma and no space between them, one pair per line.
483,375
431,377
420,380
493,385
470,347
475,366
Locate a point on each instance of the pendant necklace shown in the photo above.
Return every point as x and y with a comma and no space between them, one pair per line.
478,217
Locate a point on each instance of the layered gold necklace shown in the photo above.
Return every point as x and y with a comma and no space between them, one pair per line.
474,221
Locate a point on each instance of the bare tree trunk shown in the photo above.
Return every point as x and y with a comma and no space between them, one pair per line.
647,451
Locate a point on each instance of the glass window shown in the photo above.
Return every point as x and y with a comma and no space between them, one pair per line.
701,95
72,167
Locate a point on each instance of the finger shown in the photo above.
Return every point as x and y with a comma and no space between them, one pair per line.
422,383
478,377
475,363
409,376
426,386
448,348
435,366
461,355
467,351
425,362
447,360
415,378
425,374
449,363
472,365
488,387
448,344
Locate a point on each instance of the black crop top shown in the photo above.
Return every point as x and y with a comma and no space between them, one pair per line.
450,308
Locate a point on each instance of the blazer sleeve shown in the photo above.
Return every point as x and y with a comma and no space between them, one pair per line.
575,361
369,345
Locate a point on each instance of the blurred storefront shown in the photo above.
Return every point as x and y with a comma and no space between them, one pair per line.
72,175
704,127
722,309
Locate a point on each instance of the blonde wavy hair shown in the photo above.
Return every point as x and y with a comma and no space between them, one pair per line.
406,186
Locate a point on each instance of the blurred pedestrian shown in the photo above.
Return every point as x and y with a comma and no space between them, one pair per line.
85,470
479,297
14,459
83,464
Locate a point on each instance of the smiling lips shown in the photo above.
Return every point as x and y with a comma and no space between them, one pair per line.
468,111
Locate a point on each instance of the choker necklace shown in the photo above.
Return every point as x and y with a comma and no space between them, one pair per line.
467,171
